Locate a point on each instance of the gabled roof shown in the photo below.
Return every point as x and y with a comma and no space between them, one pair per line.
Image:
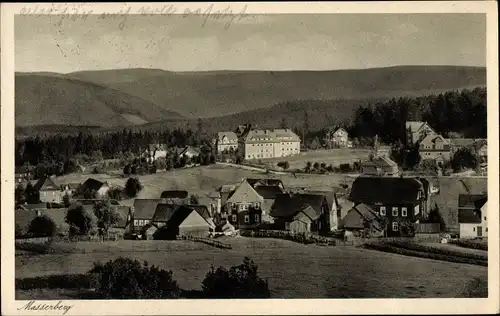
244,193
329,195
286,134
226,188
288,205
432,138
259,136
92,184
183,211
46,184
254,182
231,136
145,208
473,201
174,194
385,190
414,126
361,213
268,191
308,211
469,216
191,150
163,212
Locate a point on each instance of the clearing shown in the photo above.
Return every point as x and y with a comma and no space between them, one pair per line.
293,270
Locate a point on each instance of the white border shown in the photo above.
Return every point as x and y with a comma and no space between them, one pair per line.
253,307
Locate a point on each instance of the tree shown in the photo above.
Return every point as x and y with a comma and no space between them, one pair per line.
284,164
127,170
315,143
436,217
412,156
193,200
79,220
241,281
20,194
132,187
19,232
106,215
464,158
316,166
32,195
115,194
42,226
283,123
125,278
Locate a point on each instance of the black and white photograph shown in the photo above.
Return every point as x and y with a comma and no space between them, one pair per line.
212,152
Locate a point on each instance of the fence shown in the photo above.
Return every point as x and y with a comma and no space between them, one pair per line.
208,241
38,240
427,228
42,240
304,238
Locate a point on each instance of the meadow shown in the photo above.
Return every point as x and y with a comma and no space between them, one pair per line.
293,270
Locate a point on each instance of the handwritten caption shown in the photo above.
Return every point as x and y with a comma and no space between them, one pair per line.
34,306
227,15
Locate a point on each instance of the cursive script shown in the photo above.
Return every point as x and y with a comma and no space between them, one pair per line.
75,12
33,306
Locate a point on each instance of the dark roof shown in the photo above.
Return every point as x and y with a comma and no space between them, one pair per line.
469,216
201,209
92,184
145,208
309,212
360,214
268,182
46,184
163,212
183,212
268,191
329,195
473,201
174,194
288,205
385,190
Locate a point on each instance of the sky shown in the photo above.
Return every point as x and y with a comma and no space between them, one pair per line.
248,42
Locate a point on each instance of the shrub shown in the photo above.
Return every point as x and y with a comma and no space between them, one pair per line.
42,226
284,164
80,221
240,281
125,278
132,187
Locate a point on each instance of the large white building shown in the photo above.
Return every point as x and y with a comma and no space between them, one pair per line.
262,144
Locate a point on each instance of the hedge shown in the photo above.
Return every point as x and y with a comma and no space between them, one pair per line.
424,248
427,255
472,244
58,281
287,235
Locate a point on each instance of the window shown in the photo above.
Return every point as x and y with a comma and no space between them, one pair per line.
257,218
473,229
136,223
247,219
257,205
382,210
404,212
234,218
394,211
395,226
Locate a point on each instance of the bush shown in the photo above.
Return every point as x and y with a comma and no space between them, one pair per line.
284,164
125,278
42,226
132,187
240,281
58,281
472,244
79,220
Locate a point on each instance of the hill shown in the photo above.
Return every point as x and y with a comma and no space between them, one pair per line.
53,99
220,93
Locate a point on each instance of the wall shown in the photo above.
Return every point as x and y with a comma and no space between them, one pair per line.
51,196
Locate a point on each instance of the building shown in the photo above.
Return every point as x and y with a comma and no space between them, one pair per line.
189,152
70,188
397,200
435,147
472,215
337,137
363,220
265,182
175,196
93,188
24,174
380,166
263,144
416,131
215,203
49,191
182,220
243,208
142,213
226,141
268,193
155,151
288,205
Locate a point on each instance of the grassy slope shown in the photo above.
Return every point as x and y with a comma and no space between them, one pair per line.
293,270
217,93
50,99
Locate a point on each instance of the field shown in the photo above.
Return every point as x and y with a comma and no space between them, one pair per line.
202,180
332,157
293,270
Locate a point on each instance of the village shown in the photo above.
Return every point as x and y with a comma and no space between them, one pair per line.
377,200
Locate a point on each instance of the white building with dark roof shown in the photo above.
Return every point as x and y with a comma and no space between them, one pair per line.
262,144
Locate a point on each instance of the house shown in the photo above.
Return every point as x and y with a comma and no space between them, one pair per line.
380,166
175,196
70,188
184,220
243,207
288,205
397,200
265,182
91,186
333,206
215,203
226,141
268,193
435,147
189,152
262,144
472,215
336,137
163,213
481,148
416,131
49,191
363,220
24,173
143,212
155,151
